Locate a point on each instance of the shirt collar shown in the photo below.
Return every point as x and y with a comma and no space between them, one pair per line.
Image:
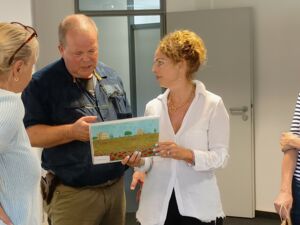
200,90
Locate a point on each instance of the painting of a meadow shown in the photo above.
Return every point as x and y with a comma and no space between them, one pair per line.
113,140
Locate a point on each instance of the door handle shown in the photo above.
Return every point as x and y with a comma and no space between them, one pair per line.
239,111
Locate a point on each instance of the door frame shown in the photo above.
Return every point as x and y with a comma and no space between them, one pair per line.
132,64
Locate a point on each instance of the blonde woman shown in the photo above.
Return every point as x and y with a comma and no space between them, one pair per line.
180,186
19,167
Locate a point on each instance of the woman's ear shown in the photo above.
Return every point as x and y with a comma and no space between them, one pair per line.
182,65
17,70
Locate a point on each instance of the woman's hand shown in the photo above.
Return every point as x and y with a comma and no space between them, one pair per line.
284,199
137,179
5,219
170,149
134,160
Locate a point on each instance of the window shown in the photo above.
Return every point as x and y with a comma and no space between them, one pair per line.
108,5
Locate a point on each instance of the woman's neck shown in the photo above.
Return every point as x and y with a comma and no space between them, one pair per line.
182,93
3,82
7,82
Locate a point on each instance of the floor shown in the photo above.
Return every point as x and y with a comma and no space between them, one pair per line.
255,221
260,220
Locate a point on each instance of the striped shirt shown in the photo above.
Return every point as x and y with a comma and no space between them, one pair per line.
295,129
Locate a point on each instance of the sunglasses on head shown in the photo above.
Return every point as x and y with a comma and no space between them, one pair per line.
29,29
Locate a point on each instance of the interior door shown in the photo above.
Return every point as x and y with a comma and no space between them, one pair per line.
228,36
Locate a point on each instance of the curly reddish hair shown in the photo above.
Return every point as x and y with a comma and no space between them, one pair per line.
184,45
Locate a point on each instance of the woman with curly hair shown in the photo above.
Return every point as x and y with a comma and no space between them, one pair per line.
180,185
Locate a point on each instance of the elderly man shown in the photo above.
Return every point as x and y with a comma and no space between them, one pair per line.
61,101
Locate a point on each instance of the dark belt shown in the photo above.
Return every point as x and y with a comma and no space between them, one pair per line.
105,184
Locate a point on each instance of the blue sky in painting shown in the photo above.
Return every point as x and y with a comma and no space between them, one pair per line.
117,128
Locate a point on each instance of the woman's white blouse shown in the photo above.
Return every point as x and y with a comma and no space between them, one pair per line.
204,130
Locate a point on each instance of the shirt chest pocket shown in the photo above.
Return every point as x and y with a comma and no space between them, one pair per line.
117,97
74,110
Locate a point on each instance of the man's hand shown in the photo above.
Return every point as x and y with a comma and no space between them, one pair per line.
80,129
5,219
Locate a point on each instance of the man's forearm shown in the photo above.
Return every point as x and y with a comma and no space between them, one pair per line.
45,136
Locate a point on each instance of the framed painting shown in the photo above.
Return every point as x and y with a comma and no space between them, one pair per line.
113,140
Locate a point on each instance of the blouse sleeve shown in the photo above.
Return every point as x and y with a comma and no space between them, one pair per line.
218,140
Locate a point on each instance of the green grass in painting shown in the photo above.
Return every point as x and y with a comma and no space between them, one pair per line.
118,148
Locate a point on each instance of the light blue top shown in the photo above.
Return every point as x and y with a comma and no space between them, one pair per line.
20,169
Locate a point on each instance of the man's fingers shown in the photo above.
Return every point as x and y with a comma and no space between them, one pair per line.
89,119
135,157
125,160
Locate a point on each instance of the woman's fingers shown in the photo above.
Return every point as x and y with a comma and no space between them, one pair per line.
133,160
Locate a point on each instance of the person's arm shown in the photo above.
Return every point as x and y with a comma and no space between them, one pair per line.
3,216
216,156
289,141
287,171
46,136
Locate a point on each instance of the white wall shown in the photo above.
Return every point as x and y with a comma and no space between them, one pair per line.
276,81
16,10
46,17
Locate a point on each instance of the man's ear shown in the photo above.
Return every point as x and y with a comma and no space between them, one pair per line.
61,50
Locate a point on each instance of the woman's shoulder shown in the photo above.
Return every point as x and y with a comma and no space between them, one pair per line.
11,106
154,106
156,101
8,98
213,97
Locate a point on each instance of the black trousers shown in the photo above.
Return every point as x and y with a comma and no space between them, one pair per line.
174,217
